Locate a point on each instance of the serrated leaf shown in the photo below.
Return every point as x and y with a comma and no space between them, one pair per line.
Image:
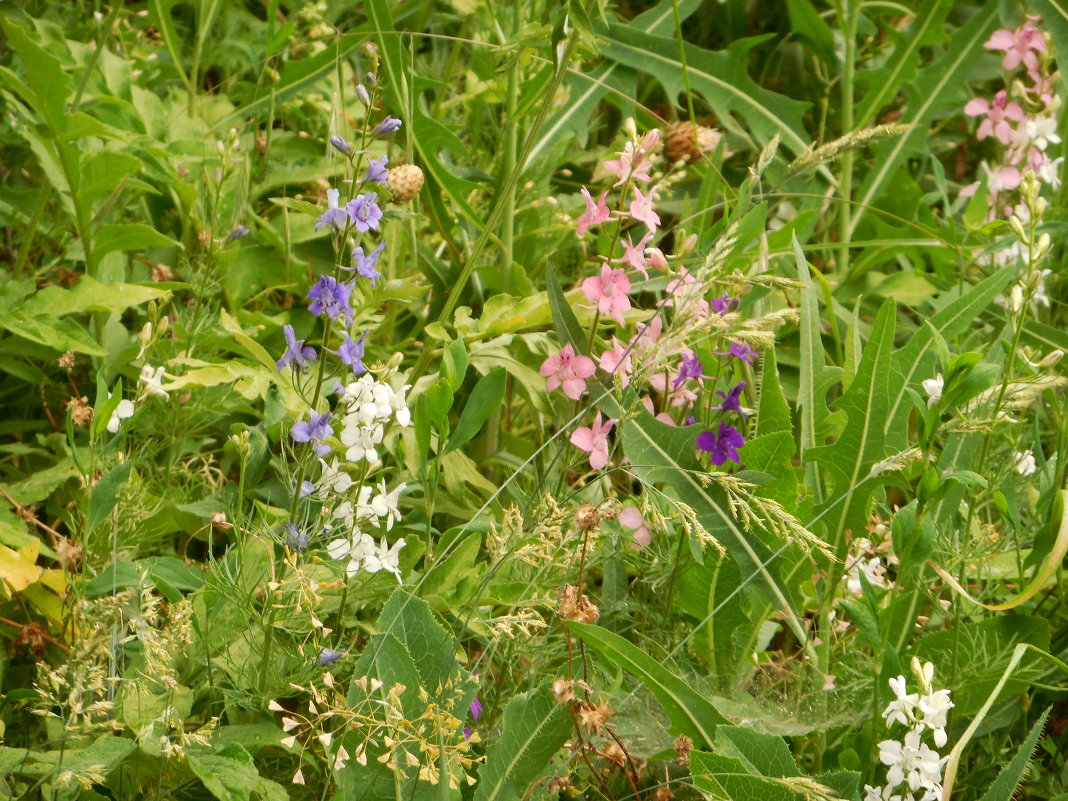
535,727
690,712
1004,786
410,620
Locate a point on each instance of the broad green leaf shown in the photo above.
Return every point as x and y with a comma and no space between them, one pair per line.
485,399
106,495
536,726
889,76
708,594
89,295
725,778
773,412
410,620
36,487
48,84
763,754
721,77
689,711
807,23
44,329
1004,786
128,236
862,441
585,91
233,777
939,85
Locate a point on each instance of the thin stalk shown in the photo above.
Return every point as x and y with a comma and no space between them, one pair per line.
847,20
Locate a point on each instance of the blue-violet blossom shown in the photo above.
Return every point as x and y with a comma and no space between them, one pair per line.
351,353
296,540
730,399
388,125
340,144
297,354
334,214
376,171
689,367
316,430
364,212
328,656
365,265
723,445
331,296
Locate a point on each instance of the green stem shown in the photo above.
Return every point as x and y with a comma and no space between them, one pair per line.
847,20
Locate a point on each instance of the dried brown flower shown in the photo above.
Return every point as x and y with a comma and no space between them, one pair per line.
81,413
574,607
405,181
587,518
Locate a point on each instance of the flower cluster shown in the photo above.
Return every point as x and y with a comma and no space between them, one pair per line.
913,765
1023,124
366,404
673,373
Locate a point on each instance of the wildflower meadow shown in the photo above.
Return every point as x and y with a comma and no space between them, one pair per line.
533,400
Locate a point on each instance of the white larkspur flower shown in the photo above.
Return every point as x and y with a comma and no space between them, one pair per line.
400,406
933,388
1042,131
123,411
903,708
385,558
152,378
935,707
384,504
334,479
356,550
1024,463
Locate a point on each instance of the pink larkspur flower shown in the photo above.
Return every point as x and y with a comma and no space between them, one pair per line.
997,116
617,360
632,519
594,441
596,213
1020,46
663,417
641,209
608,292
634,254
567,370
632,162
1001,179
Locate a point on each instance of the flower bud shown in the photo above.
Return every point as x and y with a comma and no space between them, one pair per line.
1016,226
361,92
340,144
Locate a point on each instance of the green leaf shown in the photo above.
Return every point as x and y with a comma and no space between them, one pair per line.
129,236
690,712
773,412
567,325
1004,786
807,23
89,295
535,726
936,87
44,329
410,620
721,77
762,754
49,85
862,441
106,495
454,363
485,398
233,778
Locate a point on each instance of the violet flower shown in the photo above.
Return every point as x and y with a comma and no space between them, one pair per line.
730,399
365,212
240,232
723,304
376,171
316,430
340,144
689,367
334,215
723,444
387,126
296,540
351,353
297,354
332,297
328,656
366,265
739,350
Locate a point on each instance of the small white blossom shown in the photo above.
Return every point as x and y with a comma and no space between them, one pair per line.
152,378
933,388
1024,463
385,558
1042,131
123,411
334,479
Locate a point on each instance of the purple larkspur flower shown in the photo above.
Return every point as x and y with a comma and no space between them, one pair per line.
340,144
723,444
240,232
306,488
730,399
330,296
365,212
297,354
689,367
740,350
315,430
296,540
689,420
387,126
476,709
366,265
328,656
376,171
723,304
334,215
351,353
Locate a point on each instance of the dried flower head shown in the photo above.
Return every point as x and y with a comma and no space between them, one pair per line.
576,606
81,413
686,141
587,518
405,182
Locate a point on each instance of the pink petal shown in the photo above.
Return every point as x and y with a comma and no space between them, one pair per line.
977,106
582,438
598,459
573,387
1001,40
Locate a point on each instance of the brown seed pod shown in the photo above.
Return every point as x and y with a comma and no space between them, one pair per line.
682,143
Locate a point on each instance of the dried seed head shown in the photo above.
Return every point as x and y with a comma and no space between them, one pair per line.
404,181
683,747
594,718
663,793
81,413
68,553
218,520
613,753
587,518
66,361
560,784
687,142
574,607
564,690
34,637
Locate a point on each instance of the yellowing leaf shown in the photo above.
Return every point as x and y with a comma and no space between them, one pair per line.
18,569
